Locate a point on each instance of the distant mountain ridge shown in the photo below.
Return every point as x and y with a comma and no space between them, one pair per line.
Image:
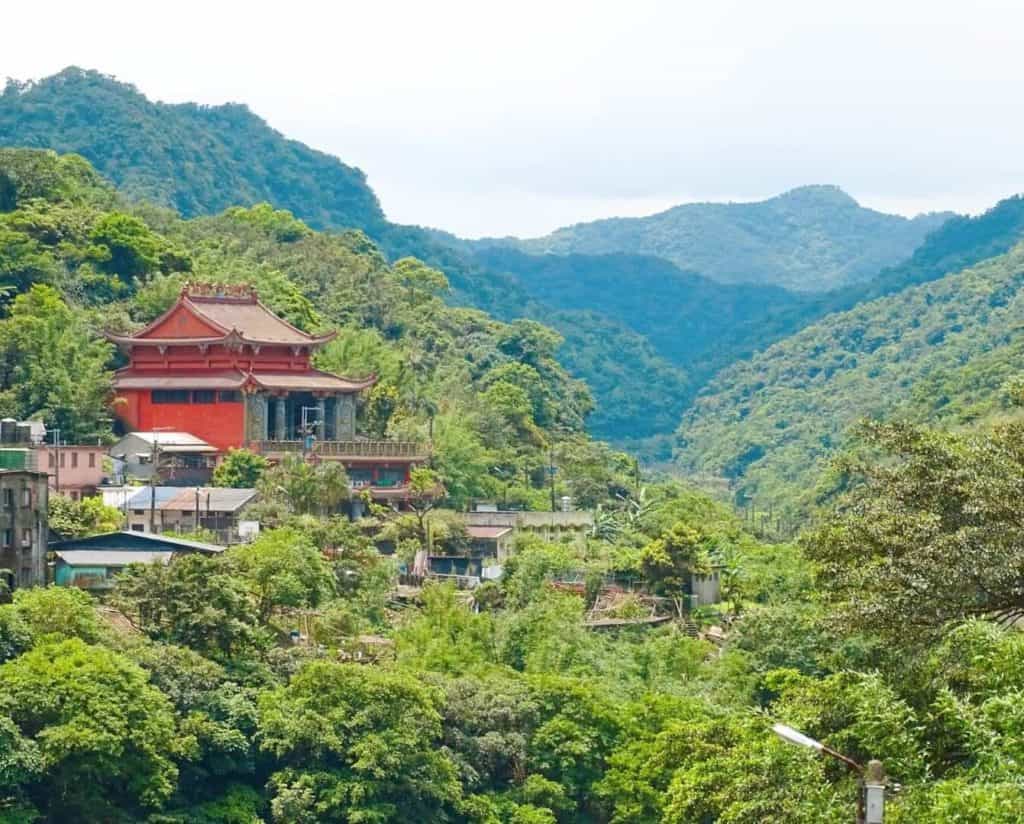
810,239
934,346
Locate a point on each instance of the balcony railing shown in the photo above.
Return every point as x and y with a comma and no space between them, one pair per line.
350,449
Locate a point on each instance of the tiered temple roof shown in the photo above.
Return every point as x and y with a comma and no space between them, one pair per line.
220,314
219,319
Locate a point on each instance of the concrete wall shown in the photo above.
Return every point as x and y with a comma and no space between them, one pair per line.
24,503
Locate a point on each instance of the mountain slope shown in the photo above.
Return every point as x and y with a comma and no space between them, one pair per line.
941,350
685,316
810,239
195,159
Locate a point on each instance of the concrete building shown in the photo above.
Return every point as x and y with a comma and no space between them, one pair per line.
75,470
24,503
550,526
182,509
177,458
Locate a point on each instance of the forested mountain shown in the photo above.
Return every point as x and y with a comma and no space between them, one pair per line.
938,351
810,239
685,316
195,159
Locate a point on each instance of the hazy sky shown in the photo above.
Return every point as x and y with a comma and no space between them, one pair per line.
515,118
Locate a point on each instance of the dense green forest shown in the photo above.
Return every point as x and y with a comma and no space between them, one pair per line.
941,351
811,239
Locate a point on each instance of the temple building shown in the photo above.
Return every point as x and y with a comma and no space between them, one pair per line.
222,367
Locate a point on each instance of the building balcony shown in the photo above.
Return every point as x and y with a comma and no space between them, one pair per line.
348,450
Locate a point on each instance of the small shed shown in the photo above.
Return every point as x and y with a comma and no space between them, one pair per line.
490,541
91,563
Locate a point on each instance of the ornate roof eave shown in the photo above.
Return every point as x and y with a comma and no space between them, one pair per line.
252,382
231,337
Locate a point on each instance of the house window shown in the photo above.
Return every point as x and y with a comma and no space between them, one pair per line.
63,459
9,498
192,461
171,396
8,537
92,460
138,528
230,396
26,497
26,537
74,460
52,460
139,511
204,396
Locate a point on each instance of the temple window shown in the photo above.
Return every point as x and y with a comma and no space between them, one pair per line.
204,396
171,396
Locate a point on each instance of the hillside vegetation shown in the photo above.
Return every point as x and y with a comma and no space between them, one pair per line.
78,258
938,351
195,159
810,239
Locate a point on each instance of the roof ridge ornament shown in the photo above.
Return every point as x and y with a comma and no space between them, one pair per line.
244,292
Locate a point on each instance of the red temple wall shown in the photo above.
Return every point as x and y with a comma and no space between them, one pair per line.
182,323
220,424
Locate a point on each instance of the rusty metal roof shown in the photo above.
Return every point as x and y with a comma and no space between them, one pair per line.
488,532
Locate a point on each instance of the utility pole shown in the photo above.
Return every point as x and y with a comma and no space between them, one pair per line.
154,476
56,459
551,474
152,484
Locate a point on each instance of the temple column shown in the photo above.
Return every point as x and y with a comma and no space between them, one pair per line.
257,419
321,418
345,417
279,422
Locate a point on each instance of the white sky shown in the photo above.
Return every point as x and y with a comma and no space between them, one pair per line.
514,118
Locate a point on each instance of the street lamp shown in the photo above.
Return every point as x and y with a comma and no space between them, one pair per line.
871,779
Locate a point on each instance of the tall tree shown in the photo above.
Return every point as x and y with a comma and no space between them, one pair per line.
929,531
53,366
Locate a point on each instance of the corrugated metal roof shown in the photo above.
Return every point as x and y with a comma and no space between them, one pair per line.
211,499
183,498
170,438
111,557
103,543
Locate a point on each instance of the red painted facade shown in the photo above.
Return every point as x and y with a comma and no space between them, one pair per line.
220,424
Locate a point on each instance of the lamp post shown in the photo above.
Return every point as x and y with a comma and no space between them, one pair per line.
871,779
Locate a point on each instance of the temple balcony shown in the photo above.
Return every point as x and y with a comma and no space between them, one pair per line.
347,450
